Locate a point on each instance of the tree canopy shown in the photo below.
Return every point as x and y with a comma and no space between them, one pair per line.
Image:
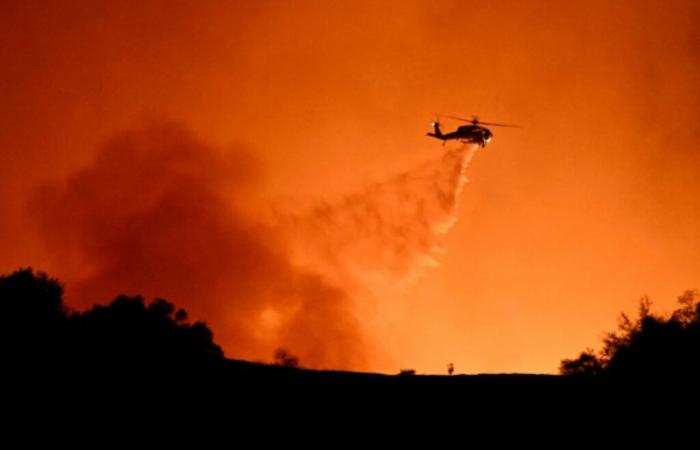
651,346
128,334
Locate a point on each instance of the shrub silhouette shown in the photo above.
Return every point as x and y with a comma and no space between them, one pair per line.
284,357
126,335
34,320
650,347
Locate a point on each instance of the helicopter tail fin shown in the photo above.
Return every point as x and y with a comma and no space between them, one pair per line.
437,132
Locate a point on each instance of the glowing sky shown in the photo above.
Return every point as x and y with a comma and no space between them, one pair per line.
564,223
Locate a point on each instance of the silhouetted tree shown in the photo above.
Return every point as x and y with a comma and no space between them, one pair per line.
34,319
127,331
284,358
162,307
650,347
28,295
181,315
587,363
127,334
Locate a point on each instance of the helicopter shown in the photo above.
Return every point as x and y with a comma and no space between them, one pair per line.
474,133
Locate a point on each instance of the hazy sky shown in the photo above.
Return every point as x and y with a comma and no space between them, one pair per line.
564,223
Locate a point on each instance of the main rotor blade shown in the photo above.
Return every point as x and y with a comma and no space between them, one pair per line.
457,118
498,124
476,120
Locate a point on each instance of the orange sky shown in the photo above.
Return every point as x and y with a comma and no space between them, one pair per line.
564,223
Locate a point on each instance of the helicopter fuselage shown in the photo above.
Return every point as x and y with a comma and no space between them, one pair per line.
474,134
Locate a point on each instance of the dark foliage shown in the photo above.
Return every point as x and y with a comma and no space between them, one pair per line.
129,340
126,336
284,358
652,347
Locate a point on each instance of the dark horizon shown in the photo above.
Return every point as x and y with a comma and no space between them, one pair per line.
129,336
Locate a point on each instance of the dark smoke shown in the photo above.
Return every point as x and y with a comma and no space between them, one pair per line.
161,214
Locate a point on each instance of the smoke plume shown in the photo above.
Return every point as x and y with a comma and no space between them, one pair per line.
161,214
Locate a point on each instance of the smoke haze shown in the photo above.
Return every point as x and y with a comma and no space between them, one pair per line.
162,214
568,220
